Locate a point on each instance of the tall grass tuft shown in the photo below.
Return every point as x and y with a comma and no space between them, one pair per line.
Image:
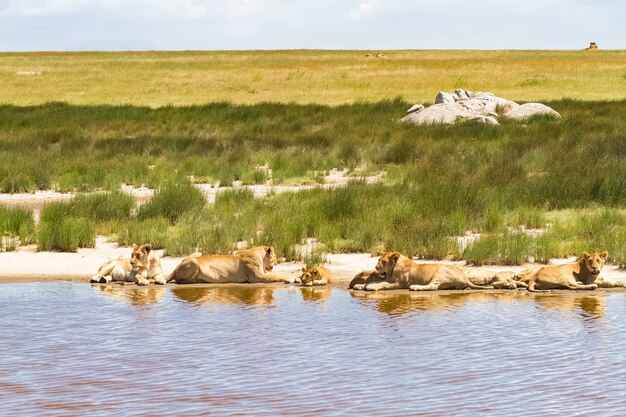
65,234
105,206
173,200
17,223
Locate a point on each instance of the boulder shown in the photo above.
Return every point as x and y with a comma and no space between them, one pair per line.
416,107
528,110
482,107
444,97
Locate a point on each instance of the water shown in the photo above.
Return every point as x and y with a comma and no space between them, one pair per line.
76,350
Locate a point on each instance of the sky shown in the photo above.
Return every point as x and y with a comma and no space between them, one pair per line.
70,25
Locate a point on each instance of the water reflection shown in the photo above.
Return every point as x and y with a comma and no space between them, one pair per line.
589,306
137,296
396,303
316,294
226,294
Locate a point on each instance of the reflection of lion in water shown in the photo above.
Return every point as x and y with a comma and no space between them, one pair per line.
315,294
137,296
226,294
401,272
582,275
144,264
589,306
249,265
316,275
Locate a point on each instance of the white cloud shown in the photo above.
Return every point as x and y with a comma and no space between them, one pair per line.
363,9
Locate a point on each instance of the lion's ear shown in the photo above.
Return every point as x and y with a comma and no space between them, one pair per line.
394,256
585,255
270,250
135,246
303,269
147,248
604,255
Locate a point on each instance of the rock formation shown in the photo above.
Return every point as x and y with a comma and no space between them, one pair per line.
463,105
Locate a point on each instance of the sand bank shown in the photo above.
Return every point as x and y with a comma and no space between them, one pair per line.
27,265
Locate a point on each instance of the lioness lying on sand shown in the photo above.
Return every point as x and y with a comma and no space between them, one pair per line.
317,275
365,277
401,272
503,280
582,275
144,264
249,265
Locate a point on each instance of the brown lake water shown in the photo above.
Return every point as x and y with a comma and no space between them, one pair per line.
76,350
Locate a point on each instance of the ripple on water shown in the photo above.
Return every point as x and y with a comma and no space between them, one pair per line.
73,349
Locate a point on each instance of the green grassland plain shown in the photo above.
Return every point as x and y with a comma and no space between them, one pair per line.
90,121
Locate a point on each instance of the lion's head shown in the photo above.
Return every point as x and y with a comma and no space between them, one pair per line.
140,257
309,275
387,262
269,259
594,261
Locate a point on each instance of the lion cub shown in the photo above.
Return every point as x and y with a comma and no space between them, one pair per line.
317,275
144,264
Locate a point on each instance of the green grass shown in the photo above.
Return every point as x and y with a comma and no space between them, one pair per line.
111,206
67,226
60,230
173,200
17,223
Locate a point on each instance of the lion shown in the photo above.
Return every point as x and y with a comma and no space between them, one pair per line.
592,47
365,277
317,275
249,265
400,272
143,264
503,280
581,275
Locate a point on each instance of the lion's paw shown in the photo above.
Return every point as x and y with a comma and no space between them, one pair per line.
358,287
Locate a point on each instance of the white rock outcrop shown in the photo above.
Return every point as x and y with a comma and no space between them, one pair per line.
463,105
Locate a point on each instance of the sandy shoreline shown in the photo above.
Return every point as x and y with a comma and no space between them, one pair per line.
27,265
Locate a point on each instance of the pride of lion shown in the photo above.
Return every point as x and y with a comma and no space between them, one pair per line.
393,271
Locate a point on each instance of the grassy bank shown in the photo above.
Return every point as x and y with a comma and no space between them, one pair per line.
358,218
440,182
307,76
86,148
